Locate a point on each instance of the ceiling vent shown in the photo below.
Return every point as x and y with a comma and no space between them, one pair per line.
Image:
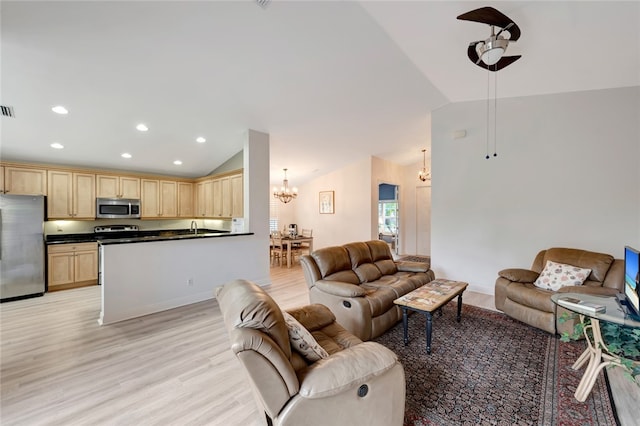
7,111
263,3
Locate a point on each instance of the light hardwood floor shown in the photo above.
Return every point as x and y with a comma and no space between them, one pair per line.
59,367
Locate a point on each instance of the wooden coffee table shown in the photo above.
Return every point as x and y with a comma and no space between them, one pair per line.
428,299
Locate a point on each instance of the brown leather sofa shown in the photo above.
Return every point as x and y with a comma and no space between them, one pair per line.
359,282
518,297
356,384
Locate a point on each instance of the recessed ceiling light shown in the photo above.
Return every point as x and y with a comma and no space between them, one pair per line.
200,139
126,155
59,109
177,163
142,127
56,145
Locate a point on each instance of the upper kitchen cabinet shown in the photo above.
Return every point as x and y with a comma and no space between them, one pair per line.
228,197
110,186
24,181
185,200
220,196
204,198
159,199
237,195
71,195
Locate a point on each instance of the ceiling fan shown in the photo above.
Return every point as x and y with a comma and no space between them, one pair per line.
488,53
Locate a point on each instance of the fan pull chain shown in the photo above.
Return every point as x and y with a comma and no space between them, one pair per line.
495,115
488,104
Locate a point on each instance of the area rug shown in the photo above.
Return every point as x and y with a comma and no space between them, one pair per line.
492,370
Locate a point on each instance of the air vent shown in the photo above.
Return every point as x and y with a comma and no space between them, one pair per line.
263,3
7,111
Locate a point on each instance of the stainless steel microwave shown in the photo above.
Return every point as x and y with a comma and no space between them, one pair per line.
117,208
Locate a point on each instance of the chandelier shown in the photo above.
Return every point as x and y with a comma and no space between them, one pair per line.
424,174
285,194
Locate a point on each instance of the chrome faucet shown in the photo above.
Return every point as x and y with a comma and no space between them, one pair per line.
194,227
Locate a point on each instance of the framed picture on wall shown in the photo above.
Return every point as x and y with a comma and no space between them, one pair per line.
326,202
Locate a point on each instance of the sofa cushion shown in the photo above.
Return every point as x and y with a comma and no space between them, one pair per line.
334,265
302,341
531,296
599,263
557,275
386,266
379,250
380,298
368,272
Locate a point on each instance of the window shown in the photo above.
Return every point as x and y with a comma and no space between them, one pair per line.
273,215
387,217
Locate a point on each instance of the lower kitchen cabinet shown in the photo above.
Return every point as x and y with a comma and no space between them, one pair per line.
72,265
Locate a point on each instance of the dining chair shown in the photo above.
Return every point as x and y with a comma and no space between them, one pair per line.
277,250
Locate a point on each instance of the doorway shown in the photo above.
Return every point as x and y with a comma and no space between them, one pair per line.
388,217
423,220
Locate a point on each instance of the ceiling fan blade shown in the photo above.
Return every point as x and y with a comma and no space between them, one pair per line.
490,16
503,62
472,53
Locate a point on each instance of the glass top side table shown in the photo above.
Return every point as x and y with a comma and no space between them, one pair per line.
596,353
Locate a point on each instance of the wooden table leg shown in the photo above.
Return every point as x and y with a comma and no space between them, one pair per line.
405,325
459,307
429,327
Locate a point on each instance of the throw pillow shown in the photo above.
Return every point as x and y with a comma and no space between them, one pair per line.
557,275
302,341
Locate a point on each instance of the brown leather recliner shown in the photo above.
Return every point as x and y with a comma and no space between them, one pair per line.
518,297
357,384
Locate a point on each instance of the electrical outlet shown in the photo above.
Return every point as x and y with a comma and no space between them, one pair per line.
190,282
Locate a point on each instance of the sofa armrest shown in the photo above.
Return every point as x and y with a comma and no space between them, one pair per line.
339,288
587,289
406,266
345,370
519,275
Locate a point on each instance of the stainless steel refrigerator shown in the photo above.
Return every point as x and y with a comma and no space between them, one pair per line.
21,246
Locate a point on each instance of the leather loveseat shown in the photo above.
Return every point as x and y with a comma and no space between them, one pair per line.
517,296
353,383
359,282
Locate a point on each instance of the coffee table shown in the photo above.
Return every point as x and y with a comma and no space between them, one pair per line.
428,299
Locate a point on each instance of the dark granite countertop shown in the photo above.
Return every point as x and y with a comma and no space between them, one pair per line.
152,238
137,236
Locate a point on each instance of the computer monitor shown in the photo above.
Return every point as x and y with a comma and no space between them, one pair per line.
631,284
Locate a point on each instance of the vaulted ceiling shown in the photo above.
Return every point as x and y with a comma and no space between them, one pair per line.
331,82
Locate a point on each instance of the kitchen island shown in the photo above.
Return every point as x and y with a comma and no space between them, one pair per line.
143,275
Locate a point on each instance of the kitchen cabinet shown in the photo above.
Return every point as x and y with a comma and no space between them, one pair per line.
228,196
204,198
24,181
71,195
159,198
220,197
111,186
185,199
237,195
72,265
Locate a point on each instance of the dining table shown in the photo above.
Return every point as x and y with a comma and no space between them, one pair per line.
288,242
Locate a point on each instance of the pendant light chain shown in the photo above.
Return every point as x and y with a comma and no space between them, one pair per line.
488,104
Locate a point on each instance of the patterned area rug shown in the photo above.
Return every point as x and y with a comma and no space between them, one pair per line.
415,258
492,370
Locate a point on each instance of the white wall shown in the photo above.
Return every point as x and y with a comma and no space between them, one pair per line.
567,174
352,219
